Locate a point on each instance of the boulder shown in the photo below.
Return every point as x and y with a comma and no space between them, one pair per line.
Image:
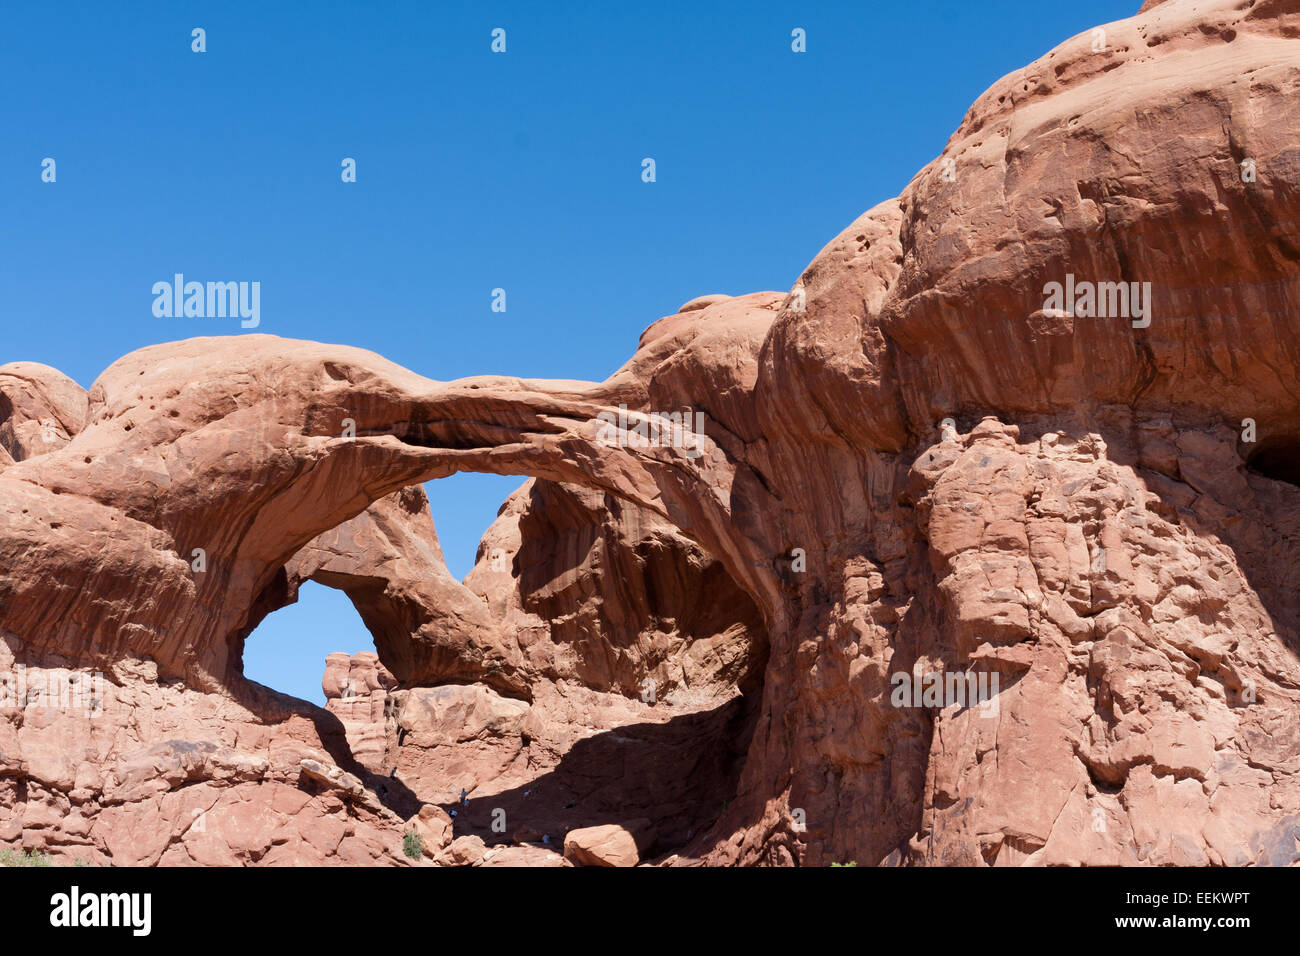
609,844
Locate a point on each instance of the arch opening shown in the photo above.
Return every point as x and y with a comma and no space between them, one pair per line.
463,506
595,666
286,650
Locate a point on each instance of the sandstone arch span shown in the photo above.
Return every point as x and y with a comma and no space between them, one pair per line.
235,446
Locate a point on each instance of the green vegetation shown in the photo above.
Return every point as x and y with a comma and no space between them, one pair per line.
27,858
413,845
34,858
850,863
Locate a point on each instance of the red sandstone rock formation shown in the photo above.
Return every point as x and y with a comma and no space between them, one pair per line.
1090,527
357,692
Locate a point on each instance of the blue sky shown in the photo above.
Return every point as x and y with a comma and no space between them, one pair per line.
475,171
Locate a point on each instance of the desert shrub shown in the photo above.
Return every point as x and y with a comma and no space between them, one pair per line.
26,858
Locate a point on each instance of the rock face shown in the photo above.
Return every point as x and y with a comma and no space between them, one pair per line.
41,409
434,828
594,590
356,691
953,569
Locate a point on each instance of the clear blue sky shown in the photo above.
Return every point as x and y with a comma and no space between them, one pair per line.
475,171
